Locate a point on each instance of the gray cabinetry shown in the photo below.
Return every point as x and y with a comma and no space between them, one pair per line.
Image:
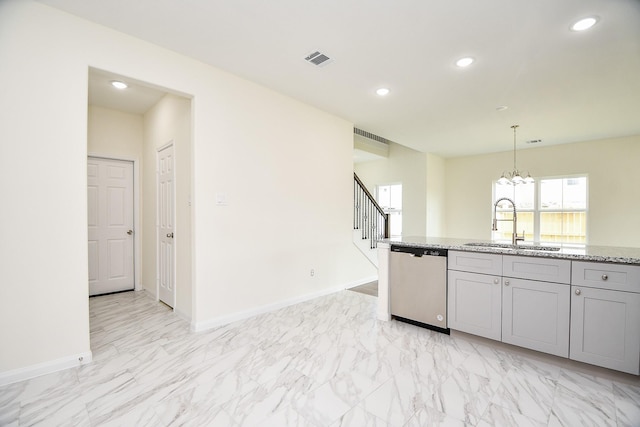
474,302
535,315
536,303
475,294
534,268
587,311
475,262
605,315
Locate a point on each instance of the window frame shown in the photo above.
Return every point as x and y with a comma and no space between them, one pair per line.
537,208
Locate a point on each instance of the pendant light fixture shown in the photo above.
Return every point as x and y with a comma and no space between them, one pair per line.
514,177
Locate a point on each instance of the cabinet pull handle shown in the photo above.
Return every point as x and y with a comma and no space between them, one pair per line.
605,277
578,292
496,281
506,283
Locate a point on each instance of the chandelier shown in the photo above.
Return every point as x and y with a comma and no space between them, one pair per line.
514,177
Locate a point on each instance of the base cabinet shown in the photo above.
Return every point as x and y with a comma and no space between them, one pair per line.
474,303
535,315
605,328
587,311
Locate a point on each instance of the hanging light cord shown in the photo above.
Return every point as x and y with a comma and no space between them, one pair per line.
514,127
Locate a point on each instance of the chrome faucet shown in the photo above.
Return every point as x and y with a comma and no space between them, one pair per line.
514,236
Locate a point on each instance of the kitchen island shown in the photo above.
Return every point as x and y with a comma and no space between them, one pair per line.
580,302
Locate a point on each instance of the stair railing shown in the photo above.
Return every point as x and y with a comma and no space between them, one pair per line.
368,216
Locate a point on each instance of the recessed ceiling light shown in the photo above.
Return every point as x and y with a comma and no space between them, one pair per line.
584,24
464,62
118,84
383,91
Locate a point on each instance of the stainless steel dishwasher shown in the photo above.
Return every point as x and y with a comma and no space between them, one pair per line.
418,286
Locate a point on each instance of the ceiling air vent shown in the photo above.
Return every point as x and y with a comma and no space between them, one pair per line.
318,58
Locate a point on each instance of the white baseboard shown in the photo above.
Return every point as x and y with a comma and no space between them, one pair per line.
241,315
49,367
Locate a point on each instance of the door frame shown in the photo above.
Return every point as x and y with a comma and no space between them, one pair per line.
137,244
175,224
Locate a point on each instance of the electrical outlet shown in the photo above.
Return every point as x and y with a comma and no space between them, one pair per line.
313,272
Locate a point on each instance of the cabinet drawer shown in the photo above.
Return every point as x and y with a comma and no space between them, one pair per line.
615,277
475,262
543,269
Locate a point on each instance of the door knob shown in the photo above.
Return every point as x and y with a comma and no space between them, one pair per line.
506,283
130,232
170,235
578,292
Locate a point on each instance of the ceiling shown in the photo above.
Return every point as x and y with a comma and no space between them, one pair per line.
137,98
559,85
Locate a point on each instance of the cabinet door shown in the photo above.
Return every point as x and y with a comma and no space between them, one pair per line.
474,302
605,328
535,315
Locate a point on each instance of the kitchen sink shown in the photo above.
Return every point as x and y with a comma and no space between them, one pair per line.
524,247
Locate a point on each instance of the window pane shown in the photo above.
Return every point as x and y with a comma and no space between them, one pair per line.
551,194
503,191
522,194
574,193
395,224
567,193
505,226
396,196
568,227
384,196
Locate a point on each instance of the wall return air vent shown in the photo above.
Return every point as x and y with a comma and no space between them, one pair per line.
318,58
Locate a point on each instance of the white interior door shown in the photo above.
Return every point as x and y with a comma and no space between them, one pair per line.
110,219
166,224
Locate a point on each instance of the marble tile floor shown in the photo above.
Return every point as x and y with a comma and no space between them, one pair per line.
325,362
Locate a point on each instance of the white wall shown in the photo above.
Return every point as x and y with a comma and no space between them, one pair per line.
436,202
114,133
169,121
614,188
408,167
286,169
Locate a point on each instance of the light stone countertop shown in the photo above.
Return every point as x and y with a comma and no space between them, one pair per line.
617,255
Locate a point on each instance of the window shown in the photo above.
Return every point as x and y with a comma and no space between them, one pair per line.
390,200
549,210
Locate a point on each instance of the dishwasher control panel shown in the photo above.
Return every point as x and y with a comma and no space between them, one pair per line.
419,251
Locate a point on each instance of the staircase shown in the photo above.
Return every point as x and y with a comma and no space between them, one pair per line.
370,223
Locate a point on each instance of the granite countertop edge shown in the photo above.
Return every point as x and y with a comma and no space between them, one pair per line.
610,254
